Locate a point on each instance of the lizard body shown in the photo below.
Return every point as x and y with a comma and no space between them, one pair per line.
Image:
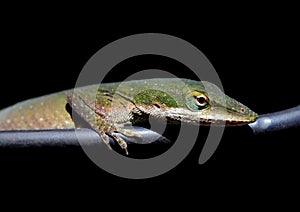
106,108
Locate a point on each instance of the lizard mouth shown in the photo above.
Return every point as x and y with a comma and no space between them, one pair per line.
216,116
241,120
228,117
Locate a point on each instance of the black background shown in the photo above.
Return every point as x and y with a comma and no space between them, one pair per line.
256,59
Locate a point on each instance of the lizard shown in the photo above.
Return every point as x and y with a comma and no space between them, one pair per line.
109,106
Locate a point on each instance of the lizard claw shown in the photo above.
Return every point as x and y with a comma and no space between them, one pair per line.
126,151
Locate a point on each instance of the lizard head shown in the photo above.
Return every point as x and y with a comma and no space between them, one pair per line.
211,106
193,102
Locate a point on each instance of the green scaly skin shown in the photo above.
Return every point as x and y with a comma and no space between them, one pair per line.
109,107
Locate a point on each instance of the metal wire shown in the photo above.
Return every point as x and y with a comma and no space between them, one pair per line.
71,138
277,121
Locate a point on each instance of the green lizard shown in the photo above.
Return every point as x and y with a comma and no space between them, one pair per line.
108,107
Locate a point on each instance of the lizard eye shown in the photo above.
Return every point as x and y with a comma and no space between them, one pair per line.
196,101
201,100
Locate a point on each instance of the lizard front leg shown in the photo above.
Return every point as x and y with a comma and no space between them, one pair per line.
106,120
105,130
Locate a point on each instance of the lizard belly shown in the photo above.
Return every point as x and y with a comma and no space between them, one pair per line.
46,112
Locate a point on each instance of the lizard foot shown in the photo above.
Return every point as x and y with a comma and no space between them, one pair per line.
120,141
105,139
